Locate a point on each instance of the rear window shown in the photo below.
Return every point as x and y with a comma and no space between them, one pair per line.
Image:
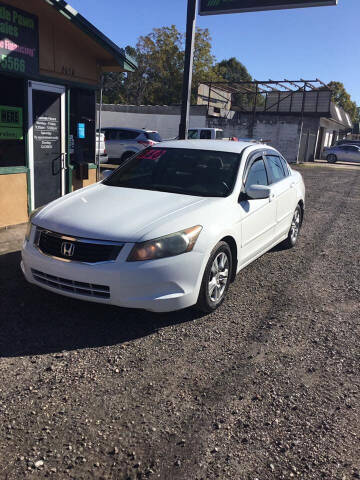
154,136
192,134
127,134
205,135
219,135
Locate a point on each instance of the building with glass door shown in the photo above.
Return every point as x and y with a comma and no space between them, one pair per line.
51,62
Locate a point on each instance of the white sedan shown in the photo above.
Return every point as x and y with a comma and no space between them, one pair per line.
169,229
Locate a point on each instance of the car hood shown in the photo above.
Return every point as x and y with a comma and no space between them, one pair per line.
103,212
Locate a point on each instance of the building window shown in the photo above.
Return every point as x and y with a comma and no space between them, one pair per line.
12,117
82,126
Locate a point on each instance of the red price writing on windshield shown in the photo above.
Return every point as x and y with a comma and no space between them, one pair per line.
152,154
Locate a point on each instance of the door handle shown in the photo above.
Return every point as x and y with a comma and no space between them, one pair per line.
292,185
272,196
63,161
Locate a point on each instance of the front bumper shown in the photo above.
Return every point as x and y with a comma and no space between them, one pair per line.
161,285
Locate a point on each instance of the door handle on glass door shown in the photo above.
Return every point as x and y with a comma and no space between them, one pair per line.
63,161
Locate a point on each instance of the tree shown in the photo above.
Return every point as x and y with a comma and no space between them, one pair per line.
158,79
203,69
233,71
114,90
342,98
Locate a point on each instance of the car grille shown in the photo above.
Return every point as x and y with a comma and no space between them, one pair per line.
71,286
76,249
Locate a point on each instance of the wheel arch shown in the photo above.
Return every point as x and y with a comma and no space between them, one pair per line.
234,252
302,207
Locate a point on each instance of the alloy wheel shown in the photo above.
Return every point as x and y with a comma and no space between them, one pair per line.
218,278
295,225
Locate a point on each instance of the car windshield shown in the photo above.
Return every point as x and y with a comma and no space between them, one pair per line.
154,136
203,173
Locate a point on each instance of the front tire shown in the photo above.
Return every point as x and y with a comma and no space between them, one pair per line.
216,279
331,158
294,231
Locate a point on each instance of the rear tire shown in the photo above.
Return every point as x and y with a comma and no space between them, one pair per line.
294,231
216,279
331,158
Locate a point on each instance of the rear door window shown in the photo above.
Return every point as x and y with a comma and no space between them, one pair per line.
128,135
275,168
219,135
285,166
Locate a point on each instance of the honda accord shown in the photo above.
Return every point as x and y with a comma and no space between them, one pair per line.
169,229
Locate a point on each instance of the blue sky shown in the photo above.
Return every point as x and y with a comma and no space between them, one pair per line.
321,42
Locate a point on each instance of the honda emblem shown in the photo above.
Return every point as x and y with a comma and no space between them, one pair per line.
67,249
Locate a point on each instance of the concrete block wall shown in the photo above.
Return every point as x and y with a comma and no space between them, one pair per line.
281,132
163,119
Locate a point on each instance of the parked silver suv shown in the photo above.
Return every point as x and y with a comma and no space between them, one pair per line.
122,143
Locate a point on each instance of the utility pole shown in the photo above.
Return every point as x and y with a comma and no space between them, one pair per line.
188,67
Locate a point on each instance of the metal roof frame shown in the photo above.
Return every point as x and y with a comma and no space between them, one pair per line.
272,93
273,85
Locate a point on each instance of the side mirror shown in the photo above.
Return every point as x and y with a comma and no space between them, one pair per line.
105,174
256,192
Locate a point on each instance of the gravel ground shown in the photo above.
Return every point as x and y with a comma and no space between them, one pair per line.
267,387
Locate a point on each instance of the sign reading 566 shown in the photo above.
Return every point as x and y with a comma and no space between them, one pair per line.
11,64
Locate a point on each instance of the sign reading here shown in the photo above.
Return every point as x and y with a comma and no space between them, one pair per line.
215,7
19,50
11,123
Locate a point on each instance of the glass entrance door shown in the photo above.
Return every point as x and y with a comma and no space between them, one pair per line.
46,142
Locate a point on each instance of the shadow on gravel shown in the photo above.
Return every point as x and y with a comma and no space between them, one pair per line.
34,321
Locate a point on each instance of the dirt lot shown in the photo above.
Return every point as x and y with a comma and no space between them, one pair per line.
268,387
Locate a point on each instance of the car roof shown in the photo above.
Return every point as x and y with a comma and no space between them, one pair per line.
345,145
205,128
130,129
214,145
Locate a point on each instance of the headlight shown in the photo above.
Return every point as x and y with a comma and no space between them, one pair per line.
29,225
168,246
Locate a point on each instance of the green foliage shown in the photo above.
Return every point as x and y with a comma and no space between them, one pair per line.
232,70
342,98
158,79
